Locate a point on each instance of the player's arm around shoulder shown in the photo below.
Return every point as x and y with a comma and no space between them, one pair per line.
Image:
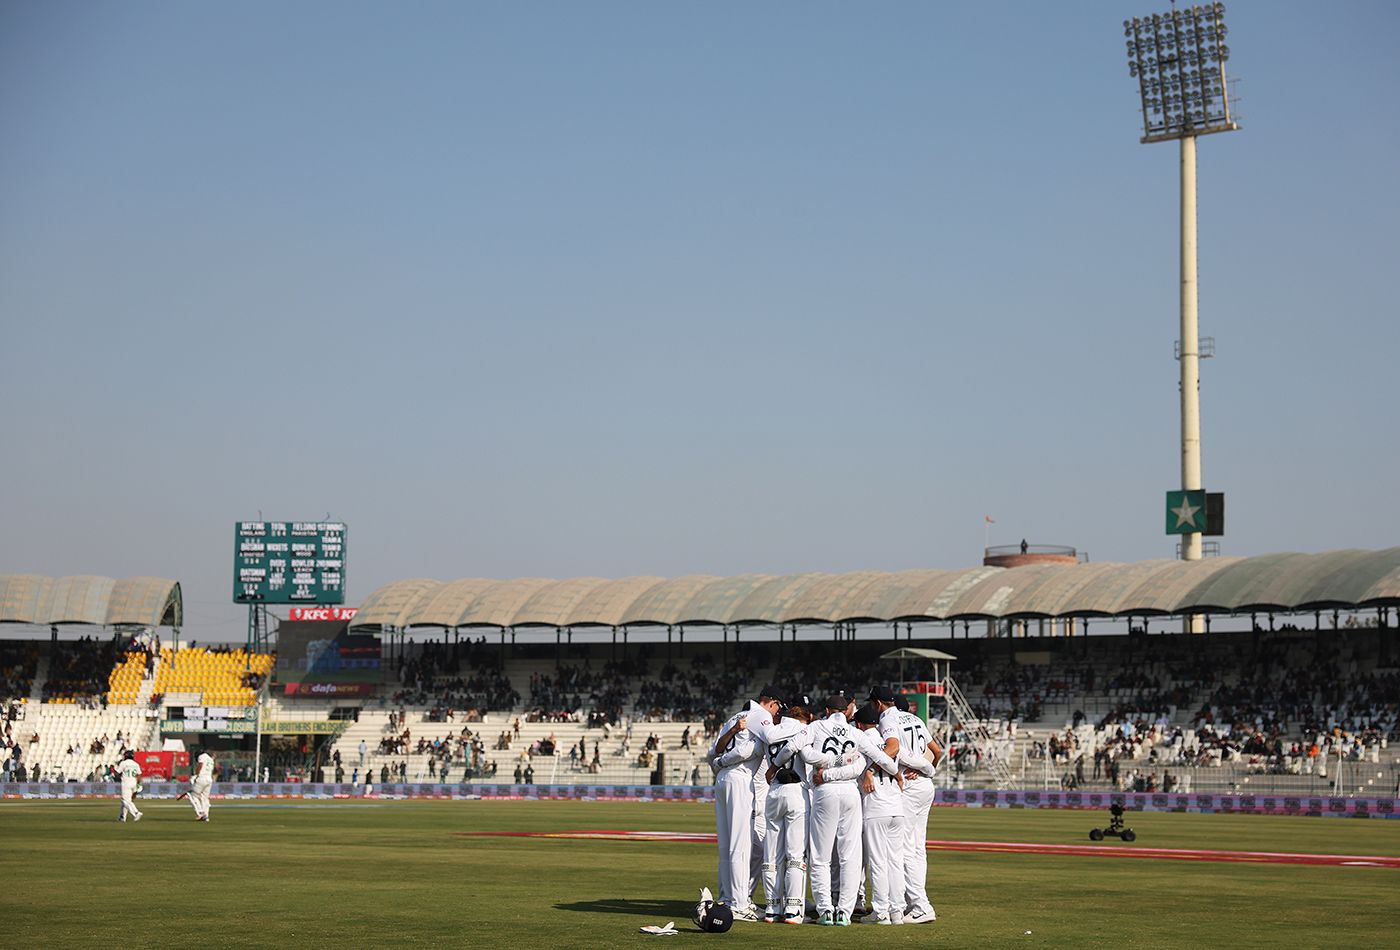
809,750
889,731
721,743
850,768
743,748
795,744
875,754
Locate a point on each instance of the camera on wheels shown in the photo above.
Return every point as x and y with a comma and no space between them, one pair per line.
1115,826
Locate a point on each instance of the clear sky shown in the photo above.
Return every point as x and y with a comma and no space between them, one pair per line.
565,289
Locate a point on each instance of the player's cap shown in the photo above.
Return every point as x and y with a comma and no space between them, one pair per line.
867,715
837,701
802,700
882,694
772,692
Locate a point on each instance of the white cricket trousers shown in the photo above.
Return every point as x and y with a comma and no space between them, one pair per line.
886,840
836,827
784,847
129,802
759,827
199,796
734,833
918,797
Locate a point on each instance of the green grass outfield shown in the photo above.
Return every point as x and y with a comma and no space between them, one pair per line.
391,874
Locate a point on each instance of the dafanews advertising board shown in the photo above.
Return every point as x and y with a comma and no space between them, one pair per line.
323,659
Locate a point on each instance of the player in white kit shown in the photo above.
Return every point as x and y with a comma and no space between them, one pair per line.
785,814
834,748
760,719
130,775
201,783
916,746
735,756
885,829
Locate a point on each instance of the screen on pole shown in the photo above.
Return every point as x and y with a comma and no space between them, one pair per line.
289,562
322,658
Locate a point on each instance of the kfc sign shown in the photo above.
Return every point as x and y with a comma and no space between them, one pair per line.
322,613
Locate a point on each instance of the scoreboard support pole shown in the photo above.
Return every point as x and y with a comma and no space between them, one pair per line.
258,633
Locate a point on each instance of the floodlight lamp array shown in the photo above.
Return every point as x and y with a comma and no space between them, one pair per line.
1179,61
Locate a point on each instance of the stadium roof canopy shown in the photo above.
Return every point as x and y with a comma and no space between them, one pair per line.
134,601
1281,583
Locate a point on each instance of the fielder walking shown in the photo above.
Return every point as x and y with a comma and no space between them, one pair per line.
200,785
130,775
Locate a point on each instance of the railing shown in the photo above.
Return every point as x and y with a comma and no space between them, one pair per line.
987,747
681,768
1347,778
1004,550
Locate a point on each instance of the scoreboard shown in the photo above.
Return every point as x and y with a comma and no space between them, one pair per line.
289,562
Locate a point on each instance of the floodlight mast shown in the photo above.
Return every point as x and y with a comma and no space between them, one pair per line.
1179,61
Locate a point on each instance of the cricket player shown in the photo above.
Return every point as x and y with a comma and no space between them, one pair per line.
915,747
130,774
201,783
885,830
759,721
734,756
785,814
834,744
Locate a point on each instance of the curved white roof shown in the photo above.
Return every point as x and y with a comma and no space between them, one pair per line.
134,601
1280,582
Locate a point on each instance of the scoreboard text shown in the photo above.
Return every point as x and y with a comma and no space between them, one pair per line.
289,562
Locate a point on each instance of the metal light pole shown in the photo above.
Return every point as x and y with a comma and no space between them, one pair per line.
1189,355
1179,61
257,754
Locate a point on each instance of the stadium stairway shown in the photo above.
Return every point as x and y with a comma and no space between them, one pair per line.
143,694
41,678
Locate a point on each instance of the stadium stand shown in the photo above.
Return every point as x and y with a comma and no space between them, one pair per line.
19,664
68,742
218,677
71,708
124,683
1277,710
77,671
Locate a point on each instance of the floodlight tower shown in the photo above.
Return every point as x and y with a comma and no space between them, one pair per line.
1179,61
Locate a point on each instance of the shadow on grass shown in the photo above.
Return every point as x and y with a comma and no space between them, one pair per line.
658,912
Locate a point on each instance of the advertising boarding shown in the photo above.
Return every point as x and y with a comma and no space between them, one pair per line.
321,658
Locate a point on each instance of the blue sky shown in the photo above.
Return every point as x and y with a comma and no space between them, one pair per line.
563,289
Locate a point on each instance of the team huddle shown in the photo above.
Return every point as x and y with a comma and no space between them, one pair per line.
806,793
